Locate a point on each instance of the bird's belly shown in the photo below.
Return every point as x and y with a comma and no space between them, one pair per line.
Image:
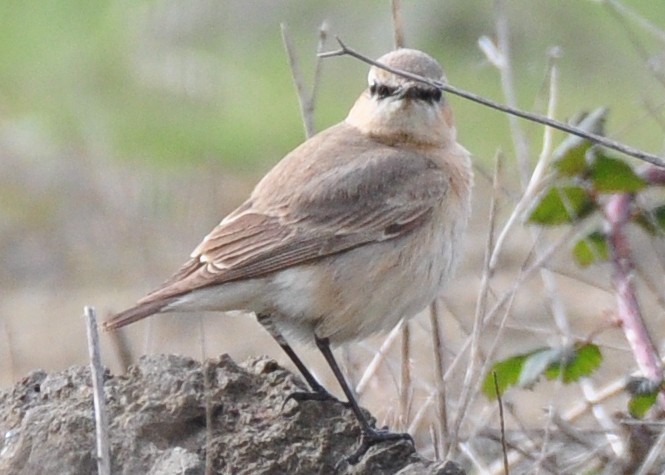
366,290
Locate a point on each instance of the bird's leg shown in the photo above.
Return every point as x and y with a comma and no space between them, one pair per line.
370,436
320,393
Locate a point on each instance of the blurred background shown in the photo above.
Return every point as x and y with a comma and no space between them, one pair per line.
128,129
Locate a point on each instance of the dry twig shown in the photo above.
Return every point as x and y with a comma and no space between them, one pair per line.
97,373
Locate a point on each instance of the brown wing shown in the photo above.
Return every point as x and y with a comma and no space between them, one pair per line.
370,199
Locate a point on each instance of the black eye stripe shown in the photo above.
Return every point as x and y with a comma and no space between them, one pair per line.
426,94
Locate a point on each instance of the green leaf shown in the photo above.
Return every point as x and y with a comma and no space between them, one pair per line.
581,362
652,220
572,162
507,373
524,370
590,249
639,404
562,205
569,158
611,175
538,363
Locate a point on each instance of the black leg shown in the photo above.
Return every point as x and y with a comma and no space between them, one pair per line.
320,393
370,436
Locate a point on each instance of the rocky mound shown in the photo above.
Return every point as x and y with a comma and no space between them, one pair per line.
157,415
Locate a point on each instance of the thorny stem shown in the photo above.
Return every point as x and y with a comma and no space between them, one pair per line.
617,214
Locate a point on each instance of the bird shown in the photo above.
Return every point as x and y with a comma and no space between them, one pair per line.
357,228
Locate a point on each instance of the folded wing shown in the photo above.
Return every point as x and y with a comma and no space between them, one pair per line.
368,200
345,208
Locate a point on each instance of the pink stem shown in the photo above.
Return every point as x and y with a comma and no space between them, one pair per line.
652,175
617,212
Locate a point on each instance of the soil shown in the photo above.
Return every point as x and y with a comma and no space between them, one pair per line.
157,424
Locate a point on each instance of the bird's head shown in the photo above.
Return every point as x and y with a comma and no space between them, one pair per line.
396,109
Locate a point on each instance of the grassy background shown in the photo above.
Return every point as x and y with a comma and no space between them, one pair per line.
171,83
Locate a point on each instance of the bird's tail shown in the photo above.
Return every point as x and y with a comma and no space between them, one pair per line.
138,312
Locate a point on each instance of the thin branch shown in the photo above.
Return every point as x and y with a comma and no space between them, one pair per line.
643,22
435,442
11,360
475,391
593,398
420,414
97,373
504,449
619,14
405,379
318,65
474,457
505,300
650,460
479,319
537,178
398,26
594,138
207,397
508,85
604,420
440,385
307,102
405,389
380,355
296,72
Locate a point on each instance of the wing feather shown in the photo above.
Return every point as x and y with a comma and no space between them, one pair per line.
370,199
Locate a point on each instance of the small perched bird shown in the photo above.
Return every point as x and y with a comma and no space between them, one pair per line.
355,229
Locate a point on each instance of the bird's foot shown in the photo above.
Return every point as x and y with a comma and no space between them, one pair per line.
371,437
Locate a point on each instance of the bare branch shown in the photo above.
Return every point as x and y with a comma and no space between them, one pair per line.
207,397
406,390
398,26
97,373
379,356
639,19
480,318
651,458
318,66
508,85
306,107
504,449
440,387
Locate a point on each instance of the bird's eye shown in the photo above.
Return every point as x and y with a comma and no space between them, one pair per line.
385,91
381,90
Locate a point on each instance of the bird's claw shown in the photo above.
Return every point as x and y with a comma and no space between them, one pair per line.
322,395
373,437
